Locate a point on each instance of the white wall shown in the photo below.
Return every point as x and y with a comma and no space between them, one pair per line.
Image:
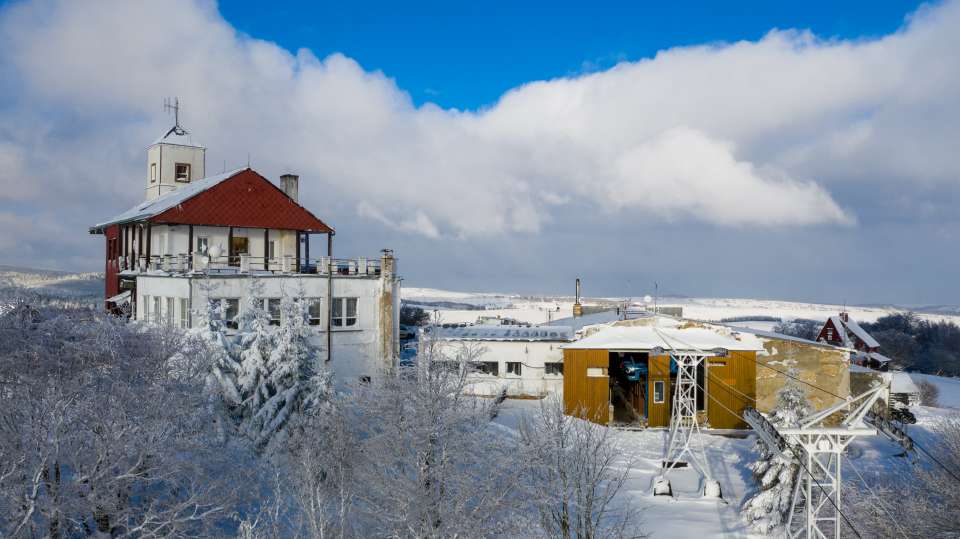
165,157
533,380
355,348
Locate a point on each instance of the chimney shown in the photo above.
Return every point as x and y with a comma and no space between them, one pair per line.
291,185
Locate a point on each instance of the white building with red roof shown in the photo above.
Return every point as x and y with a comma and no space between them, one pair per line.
196,238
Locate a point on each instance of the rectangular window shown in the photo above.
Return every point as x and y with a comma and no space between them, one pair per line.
514,368
153,172
316,310
182,172
272,249
487,367
184,313
658,392
203,244
555,369
170,311
156,308
273,310
231,312
344,312
145,300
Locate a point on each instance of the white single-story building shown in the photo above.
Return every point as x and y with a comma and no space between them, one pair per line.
525,361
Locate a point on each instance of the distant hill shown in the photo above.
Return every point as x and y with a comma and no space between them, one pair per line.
55,284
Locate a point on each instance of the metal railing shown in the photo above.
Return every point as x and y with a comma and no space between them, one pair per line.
252,265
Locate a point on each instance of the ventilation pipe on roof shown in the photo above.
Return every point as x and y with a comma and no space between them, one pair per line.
291,185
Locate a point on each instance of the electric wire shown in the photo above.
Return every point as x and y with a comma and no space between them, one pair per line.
918,446
877,499
799,461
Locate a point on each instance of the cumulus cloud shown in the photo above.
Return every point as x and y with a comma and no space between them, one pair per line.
755,134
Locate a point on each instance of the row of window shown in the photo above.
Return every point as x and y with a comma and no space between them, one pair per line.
172,311
515,368
181,172
162,310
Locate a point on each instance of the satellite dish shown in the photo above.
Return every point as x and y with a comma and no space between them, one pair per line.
214,251
647,299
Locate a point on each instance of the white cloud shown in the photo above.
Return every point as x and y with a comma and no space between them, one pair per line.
750,133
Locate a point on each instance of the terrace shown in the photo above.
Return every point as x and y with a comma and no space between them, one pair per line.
200,264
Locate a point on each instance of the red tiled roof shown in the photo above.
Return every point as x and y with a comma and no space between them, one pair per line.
247,200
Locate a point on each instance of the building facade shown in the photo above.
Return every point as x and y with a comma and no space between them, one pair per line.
222,237
523,361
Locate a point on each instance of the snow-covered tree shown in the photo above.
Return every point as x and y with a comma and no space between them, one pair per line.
910,499
265,373
408,454
574,471
774,470
104,432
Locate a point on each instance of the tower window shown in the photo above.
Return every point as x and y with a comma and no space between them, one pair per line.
182,172
153,172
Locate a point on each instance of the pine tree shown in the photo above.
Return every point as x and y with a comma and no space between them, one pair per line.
225,369
292,380
264,374
776,471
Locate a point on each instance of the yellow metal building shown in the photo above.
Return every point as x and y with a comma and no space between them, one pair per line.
622,373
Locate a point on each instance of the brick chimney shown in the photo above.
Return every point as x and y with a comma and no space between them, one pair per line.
291,186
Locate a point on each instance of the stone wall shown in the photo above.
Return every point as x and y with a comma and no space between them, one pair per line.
822,366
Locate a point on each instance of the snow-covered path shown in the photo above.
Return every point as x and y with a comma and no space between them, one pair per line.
686,514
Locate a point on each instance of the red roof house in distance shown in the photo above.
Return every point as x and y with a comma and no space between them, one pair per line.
195,239
841,330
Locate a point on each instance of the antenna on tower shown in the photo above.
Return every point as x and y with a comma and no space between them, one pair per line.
173,105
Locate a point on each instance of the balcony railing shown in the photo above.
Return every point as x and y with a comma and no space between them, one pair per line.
252,265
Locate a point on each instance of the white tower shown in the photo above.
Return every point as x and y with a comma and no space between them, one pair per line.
175,159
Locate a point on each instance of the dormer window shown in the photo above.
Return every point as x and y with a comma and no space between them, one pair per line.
182,172
153,173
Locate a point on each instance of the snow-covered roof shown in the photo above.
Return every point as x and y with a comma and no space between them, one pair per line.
841,331
861,333
145,210
877,356
506,333
178,136
900,382
648,337
579,322
120,298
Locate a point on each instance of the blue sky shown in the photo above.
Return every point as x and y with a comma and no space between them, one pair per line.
787,150
465,55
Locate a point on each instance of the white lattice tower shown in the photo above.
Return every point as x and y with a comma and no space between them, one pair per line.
820,450
685,444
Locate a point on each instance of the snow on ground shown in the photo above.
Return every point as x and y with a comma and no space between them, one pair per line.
949,396
541,309
687,514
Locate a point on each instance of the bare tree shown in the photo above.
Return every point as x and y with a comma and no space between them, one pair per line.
929,393
575,471
912,499
109,436
408,454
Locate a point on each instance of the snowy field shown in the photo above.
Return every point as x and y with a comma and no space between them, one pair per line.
542,309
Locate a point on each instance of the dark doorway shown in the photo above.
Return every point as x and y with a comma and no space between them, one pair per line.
628,387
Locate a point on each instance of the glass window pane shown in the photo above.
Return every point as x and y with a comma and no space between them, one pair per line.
352,307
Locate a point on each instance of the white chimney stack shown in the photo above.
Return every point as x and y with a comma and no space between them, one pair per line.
291,185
